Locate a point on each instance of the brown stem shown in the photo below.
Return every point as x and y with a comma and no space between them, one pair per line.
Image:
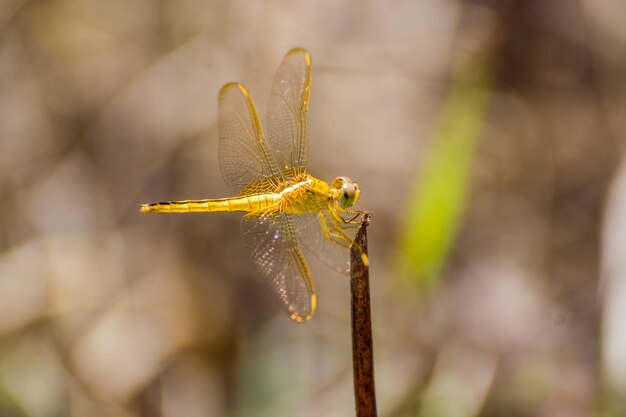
362,352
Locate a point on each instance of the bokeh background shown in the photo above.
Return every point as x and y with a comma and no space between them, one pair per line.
486,136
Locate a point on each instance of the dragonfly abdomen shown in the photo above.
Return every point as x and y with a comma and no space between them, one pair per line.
245,203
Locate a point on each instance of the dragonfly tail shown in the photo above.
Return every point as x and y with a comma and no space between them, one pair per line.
243,203
191,206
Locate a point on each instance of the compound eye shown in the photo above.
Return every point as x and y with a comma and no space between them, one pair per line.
348,195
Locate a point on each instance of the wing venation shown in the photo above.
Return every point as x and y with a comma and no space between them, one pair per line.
243,151
272,243
287,111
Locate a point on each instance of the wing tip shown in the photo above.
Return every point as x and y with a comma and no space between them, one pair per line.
299,317
228,86
300,50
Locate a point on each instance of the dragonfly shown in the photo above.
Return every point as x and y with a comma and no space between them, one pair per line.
287,209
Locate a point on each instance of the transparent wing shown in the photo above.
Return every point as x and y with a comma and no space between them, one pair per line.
333,251
243,152
287,111
273,245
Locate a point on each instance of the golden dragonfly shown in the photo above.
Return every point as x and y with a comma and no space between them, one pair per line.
287,208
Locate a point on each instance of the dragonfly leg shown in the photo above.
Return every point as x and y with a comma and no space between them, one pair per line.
346,223
355,215
334,237
352,220
338,236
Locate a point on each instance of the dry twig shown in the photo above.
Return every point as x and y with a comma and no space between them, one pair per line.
362,353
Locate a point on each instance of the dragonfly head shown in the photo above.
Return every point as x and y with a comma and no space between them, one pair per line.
345,192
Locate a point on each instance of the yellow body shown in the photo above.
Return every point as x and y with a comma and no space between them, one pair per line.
304,195
286,207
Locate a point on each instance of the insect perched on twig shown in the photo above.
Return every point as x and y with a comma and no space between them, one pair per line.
287,208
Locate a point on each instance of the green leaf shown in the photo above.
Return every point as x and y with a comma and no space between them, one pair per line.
439,196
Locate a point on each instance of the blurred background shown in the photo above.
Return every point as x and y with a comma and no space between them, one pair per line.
486,136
